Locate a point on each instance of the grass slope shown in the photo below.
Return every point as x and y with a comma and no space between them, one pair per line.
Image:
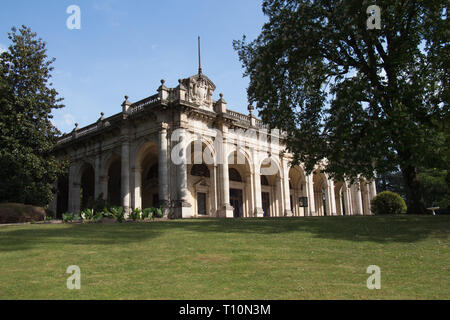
285,258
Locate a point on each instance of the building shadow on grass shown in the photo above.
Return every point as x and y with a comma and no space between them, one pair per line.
381,229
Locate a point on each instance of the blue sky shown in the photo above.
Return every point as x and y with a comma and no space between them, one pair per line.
127,47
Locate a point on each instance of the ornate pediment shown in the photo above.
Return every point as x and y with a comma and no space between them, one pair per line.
200,90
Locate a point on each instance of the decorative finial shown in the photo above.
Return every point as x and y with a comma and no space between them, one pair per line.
102,114
221,95
163,81
126,98
76,126
250,109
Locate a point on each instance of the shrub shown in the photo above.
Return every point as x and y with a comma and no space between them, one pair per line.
136,214
67,217
97,217
388,202
158,213
87,214
147,213
20,213
118,214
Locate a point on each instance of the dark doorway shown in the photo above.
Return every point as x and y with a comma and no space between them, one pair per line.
265,197
62,200
114,184
87,186
236,202
201,204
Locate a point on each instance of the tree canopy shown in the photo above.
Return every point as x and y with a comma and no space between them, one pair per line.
27,136
365,100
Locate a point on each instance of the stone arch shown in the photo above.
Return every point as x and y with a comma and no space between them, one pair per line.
242,157
146,179
240,191
271,195
201,177
298,191
321,195
342,196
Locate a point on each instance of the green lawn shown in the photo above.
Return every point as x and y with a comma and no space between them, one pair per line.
286,258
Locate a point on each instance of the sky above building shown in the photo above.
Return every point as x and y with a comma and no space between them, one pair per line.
127,47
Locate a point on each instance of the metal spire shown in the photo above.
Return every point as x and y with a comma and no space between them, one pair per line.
199,58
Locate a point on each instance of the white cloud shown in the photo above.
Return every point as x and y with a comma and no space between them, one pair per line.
64,122
2,48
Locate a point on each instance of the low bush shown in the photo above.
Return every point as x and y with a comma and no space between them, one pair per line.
20,213
135,214
147,213
118,214
87,214
67,217
388,202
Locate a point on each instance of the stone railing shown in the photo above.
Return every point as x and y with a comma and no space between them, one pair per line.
139,106
86,130
65,139
238,116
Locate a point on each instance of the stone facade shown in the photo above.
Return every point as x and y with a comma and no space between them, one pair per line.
148,155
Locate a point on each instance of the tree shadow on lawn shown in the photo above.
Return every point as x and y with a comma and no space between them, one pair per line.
380,229
24,237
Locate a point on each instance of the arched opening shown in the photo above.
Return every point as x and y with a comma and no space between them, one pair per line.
149,164
201,176
320,193
62,196
239,176
114,183
87,186
271,188
298,192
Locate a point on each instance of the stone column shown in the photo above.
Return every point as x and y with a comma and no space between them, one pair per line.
98,168
356,194
214,183
227,209
366,195
125,188
137,172
74,190
258,211
332,206
184,207
373,190
104,186
287,191
163,169
311,196
347,200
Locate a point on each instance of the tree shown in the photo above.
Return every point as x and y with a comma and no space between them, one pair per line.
27,136
364,100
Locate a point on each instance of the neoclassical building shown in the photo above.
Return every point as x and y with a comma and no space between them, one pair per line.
186,152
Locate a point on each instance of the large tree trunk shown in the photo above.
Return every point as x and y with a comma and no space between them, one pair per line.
413,189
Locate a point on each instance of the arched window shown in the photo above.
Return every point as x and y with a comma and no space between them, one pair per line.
234,175
200,170
264,181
